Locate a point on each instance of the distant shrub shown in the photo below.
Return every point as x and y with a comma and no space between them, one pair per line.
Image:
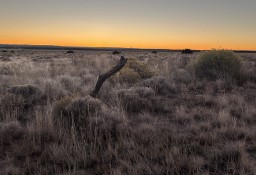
70,51
217,64
154,52
4,51
133,72
116,52
187,51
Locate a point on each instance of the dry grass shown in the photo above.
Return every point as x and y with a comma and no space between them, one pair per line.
158,119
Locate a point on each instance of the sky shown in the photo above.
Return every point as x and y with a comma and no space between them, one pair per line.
163,24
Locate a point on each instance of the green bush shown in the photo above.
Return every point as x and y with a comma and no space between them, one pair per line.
218,64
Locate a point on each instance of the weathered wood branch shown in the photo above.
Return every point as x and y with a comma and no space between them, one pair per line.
105,76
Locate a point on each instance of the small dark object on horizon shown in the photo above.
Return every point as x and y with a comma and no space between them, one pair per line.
4,51
116,52
155,52
70,51
187,51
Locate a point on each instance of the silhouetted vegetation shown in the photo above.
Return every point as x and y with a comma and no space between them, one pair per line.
154,52
116,52
187,51
70,51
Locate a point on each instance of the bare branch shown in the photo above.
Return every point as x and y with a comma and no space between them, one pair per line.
105,76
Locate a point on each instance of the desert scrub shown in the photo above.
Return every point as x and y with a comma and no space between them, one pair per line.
127,75
133,72
136,99
11,106
31,94
71,111
160,84
11,132
218,64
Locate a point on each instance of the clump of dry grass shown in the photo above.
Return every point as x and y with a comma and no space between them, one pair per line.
11,132
76,111
136,99
160,84
133,72
31,94
11,107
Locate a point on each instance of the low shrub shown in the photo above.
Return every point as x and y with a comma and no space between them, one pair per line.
6,70
11,106
136,99
160,85
75,112
31,94
218,64
11,132
133,72
182,75
127,75
141,68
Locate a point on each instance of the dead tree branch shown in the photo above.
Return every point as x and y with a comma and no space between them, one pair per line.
105,76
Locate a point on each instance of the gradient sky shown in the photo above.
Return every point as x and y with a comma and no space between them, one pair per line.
171,24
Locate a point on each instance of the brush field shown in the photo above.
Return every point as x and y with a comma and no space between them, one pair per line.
155,116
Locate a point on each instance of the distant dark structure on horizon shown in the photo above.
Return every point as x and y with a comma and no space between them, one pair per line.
187,51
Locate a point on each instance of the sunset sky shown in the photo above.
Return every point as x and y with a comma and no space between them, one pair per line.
169,24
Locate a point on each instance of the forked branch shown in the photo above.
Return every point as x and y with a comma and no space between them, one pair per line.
105,76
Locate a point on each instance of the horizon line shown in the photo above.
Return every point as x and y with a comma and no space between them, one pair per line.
111,47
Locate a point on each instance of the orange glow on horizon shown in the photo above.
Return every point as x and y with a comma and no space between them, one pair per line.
122,37
149,24
141,45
